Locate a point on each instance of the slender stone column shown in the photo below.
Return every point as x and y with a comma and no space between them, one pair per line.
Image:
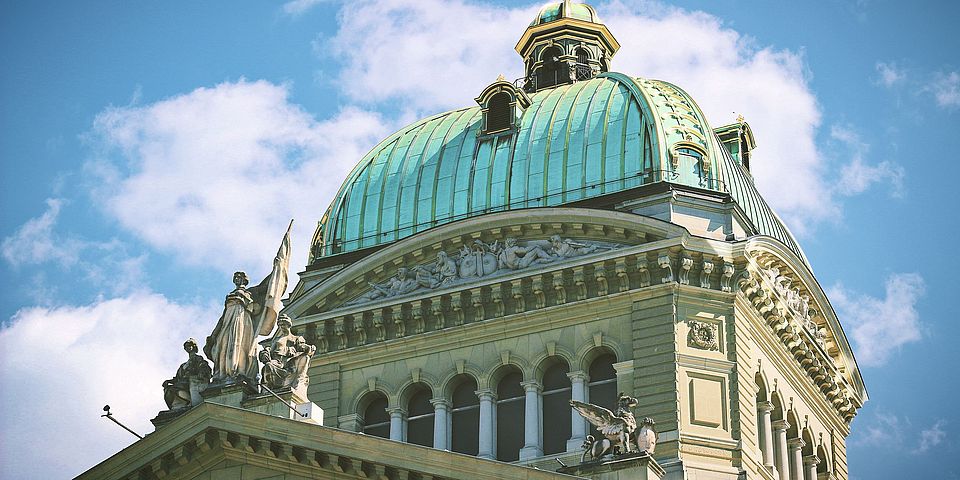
578,426
487,427
531,421
796,458
398,420
781,458
810,463
441,410
765,430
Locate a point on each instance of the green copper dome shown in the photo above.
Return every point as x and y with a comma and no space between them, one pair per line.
566,9
573,142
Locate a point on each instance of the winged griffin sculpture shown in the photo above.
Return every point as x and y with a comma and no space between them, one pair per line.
620,429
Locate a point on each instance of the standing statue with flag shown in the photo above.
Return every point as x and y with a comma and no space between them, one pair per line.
247,313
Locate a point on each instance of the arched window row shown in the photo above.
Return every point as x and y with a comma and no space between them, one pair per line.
787,447
512,420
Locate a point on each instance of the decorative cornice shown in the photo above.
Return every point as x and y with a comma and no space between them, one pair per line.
790,323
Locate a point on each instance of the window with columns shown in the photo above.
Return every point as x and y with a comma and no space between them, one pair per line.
779,425
823,467
764,425
376,421
510,417
556,408
465,417
602,388
794,447
420,417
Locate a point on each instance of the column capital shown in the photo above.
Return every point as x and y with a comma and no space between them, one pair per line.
780,424
531,386
795,443
440,403
486,395
578,375
765,407
811,460
397,411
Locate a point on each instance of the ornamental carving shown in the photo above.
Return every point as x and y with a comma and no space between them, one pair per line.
703,335
480,260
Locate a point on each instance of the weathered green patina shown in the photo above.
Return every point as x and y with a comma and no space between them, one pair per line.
574,142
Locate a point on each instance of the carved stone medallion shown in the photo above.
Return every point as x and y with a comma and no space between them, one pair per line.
703,335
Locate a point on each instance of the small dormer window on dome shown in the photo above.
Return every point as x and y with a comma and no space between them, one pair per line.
738,139
501,102
565,43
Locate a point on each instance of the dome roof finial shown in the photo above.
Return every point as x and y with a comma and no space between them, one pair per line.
565,43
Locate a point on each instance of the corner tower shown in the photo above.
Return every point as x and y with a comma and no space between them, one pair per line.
565,43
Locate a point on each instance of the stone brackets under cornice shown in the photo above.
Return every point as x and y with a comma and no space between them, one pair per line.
788,296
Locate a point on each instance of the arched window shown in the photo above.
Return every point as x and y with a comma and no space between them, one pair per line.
553,71
764,432
510,417
420,417
602,388
465,417
556,408
584,72
376,421
823,467
499,113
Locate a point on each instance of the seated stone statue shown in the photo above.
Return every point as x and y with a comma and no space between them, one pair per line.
193,376
286,361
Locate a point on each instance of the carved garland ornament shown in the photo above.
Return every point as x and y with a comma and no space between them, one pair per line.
703,335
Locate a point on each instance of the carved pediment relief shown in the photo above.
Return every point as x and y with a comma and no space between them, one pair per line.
481,261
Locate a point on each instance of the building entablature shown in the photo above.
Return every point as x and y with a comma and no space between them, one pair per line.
500,265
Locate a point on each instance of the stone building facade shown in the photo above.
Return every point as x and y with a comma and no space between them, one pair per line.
576,234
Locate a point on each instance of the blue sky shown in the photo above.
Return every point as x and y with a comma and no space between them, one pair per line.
149,149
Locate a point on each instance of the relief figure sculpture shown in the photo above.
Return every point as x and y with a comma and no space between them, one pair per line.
566,248
514,256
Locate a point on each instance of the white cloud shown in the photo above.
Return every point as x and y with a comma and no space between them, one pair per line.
858,175
430,55
213,176
299,7
106,266
890,74
59,366
931,437
881,325
946,89
35,241
885,430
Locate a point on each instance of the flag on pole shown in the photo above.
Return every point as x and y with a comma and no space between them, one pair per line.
274,287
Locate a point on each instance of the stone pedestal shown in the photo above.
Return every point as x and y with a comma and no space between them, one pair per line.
231,394
636,466
289,405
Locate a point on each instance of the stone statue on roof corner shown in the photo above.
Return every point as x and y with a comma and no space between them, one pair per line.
247,313
618,429
286,360
183,390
